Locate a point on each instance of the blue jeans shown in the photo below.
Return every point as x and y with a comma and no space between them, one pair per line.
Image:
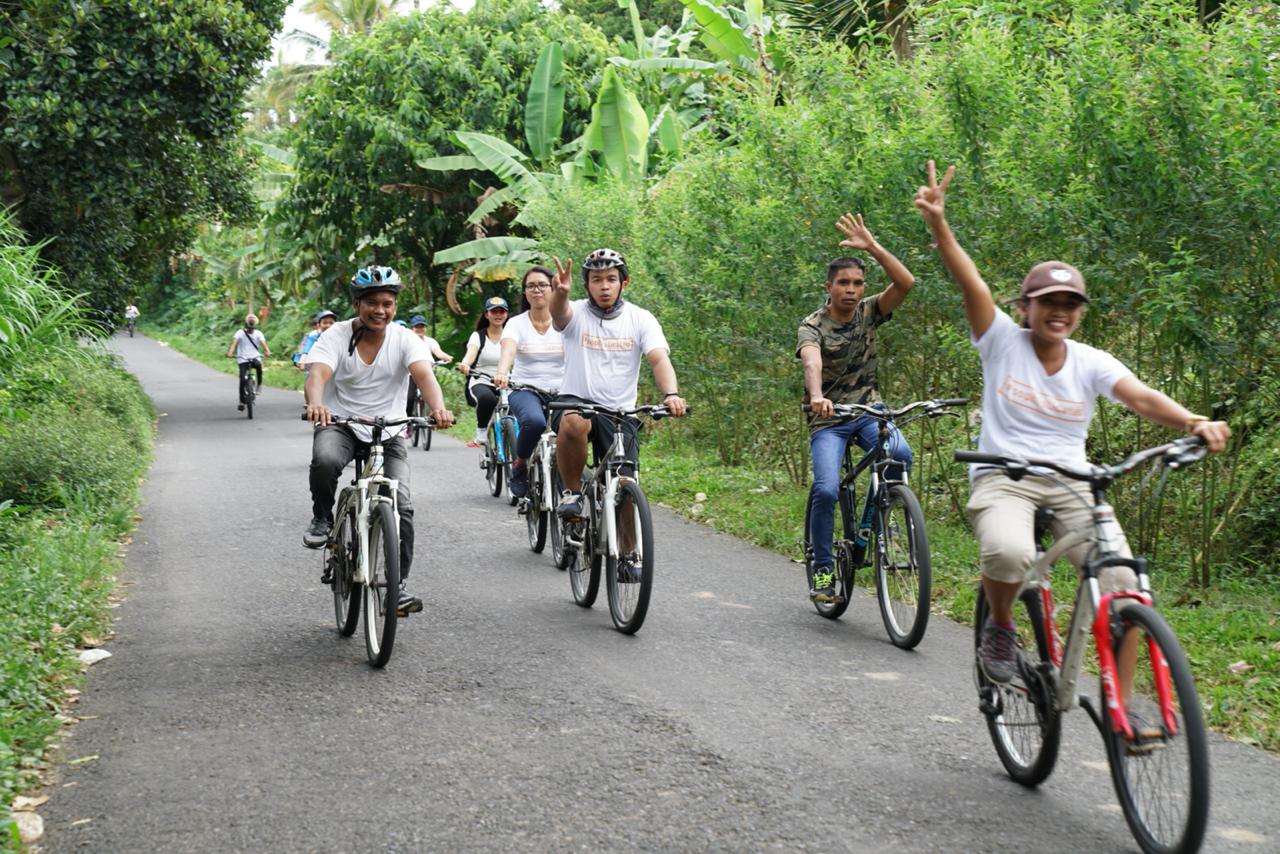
826,447
526,406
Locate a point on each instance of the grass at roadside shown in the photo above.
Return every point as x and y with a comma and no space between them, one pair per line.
1231,633
1237,621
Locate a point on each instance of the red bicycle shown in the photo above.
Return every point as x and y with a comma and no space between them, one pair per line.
1161,777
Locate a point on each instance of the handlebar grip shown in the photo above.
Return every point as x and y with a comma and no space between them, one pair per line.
956,401
979,457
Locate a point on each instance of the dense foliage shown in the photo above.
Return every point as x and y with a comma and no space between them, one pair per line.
1139,146
118,128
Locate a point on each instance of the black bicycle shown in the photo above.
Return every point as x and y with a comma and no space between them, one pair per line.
889,531
249,387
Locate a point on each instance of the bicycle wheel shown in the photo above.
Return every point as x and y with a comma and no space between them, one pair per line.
426,438
630,575
493,468
561,554
343,554
250,392
583,563
418,429
535,516
1025,725
843,558
1163,785
904,578
509,453
382,593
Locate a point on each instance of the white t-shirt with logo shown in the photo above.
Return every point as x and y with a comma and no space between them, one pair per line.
539,358
1029,414
370,390
487,355
602,357
246,352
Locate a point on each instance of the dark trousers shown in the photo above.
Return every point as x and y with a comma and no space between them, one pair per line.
332,448
485,399
527,408
256,364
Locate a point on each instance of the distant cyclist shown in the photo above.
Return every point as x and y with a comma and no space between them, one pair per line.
536,347
483,350
359,368
604,339
248,346
131,315
321,322
837,346
419,326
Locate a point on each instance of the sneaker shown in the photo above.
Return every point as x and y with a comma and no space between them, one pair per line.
1146,735
570,508
998,655
824,585
473,444
629,569
519,480
481,437
408,604
317,533
240,406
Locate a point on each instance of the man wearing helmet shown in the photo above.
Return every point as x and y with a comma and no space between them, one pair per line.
604,338
358,367
248,346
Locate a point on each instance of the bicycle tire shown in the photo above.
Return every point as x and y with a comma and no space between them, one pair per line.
560,555
508,427
417,430
1176,767
250,392
493,469
903,587
343,555
535,516
583,567
843,564
629,598
1022,717
382,593
428,432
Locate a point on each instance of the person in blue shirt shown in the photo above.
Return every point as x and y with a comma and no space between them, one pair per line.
322,321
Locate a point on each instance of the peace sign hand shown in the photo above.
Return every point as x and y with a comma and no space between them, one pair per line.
859,236
563,281
931,199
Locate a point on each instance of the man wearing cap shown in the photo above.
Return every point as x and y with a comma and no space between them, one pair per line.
837,347
418,324
605,337
1039,388
322,321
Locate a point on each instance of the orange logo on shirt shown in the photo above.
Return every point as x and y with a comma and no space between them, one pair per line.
610,345
1021,394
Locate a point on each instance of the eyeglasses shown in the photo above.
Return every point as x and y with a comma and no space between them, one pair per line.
538,286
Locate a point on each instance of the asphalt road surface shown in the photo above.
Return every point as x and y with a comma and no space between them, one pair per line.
232,717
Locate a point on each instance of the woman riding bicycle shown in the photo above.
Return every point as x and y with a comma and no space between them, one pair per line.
1039,390
537,348
483,351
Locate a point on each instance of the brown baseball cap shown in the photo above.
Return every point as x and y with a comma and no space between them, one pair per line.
1051,277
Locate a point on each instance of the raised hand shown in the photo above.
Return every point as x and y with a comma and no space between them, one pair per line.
931,199
857,235
563,280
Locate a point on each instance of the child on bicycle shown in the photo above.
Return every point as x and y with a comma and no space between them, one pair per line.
837,347
248,346
1039,391
319,324
536,347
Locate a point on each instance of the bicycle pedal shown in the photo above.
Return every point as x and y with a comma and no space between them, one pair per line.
522,507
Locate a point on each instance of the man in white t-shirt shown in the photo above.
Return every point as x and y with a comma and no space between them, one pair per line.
419,326
358,367
248,346
604,338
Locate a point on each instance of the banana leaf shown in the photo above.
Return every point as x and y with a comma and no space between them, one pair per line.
619,129
485,247
544,104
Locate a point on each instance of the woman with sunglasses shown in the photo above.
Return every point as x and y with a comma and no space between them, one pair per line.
537,349
483,351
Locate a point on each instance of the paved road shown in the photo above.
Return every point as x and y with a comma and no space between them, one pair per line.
233,718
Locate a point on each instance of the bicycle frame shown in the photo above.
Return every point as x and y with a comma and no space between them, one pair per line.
544,455
367,493
501,412
877,459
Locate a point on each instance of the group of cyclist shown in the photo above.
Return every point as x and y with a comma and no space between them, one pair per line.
1039,392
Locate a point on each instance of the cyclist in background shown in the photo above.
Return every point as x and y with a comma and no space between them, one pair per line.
419,326
837,346
537,348
604,339
321,322
358,368
131,315
248,346
483,351
1039,390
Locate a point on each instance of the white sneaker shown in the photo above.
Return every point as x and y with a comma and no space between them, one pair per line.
482,437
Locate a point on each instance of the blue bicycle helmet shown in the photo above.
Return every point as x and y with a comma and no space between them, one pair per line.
368,280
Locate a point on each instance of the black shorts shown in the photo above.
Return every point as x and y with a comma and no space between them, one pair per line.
602,430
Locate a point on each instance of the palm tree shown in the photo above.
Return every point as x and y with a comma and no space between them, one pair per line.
351,16
851,20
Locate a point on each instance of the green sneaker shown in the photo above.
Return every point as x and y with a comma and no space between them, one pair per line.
824,585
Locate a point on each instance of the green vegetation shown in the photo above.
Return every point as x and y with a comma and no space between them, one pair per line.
75,437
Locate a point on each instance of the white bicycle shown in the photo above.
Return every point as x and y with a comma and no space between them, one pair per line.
362,557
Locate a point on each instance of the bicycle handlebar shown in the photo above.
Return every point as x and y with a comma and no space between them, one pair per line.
1177,454
421,421
655,411
512,385
933,408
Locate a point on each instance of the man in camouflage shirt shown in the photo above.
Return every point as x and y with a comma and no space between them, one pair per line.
837,345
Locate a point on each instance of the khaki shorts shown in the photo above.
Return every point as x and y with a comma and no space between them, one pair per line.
1003,511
